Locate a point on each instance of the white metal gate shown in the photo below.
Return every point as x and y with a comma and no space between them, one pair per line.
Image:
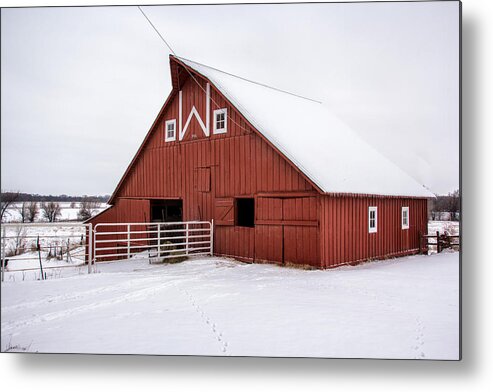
156,241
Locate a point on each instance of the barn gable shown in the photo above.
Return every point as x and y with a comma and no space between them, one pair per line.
159,167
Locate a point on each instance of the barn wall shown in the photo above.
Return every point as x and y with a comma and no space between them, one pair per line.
344,228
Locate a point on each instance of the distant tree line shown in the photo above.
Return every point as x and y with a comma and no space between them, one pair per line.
29,206
446,206
61,198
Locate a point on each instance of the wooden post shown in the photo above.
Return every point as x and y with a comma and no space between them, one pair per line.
438,242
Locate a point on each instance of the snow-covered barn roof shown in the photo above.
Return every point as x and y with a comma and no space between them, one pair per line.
324,148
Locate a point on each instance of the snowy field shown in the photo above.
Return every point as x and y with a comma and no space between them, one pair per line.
444,227
53,239
400,308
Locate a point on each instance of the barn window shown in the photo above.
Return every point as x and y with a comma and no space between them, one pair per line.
220,121
245,212
372,219
170,131
405,218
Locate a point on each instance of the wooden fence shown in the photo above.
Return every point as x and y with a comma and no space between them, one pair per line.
439,241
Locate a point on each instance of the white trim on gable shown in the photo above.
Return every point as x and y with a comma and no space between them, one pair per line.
208,108
223,129
194,112
180,113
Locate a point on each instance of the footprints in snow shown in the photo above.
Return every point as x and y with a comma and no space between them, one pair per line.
218,335
420,342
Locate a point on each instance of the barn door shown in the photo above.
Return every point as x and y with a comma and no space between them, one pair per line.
301,238
287,230
268,230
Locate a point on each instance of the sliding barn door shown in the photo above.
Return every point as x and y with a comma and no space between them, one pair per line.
268,230
301,238
287,230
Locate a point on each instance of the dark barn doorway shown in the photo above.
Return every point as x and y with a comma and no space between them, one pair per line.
166,210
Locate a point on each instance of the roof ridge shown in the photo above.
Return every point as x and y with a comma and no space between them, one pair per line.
249,80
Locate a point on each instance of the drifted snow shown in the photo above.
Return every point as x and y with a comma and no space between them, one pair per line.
330,153
400,308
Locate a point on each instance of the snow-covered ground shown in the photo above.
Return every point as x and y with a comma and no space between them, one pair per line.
450,227
400,308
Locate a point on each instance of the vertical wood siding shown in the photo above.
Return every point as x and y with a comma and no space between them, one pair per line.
344,228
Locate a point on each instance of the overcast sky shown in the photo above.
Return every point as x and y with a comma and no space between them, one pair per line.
80,87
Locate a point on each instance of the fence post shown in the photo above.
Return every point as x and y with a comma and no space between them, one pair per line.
438,242
186,239
212,236
89,248
38,245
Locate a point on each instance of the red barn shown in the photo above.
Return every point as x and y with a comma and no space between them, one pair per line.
284,180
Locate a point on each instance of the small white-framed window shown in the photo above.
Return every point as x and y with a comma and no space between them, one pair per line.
405,218
170,131
220,121
372,219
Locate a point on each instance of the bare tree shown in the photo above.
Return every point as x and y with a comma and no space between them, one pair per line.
446,204
7,198
18,244
87,208
453,204
32,211
22,210
51,210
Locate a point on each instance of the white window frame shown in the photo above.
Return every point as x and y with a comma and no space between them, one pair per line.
216,130
370,210
166,137
405,225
